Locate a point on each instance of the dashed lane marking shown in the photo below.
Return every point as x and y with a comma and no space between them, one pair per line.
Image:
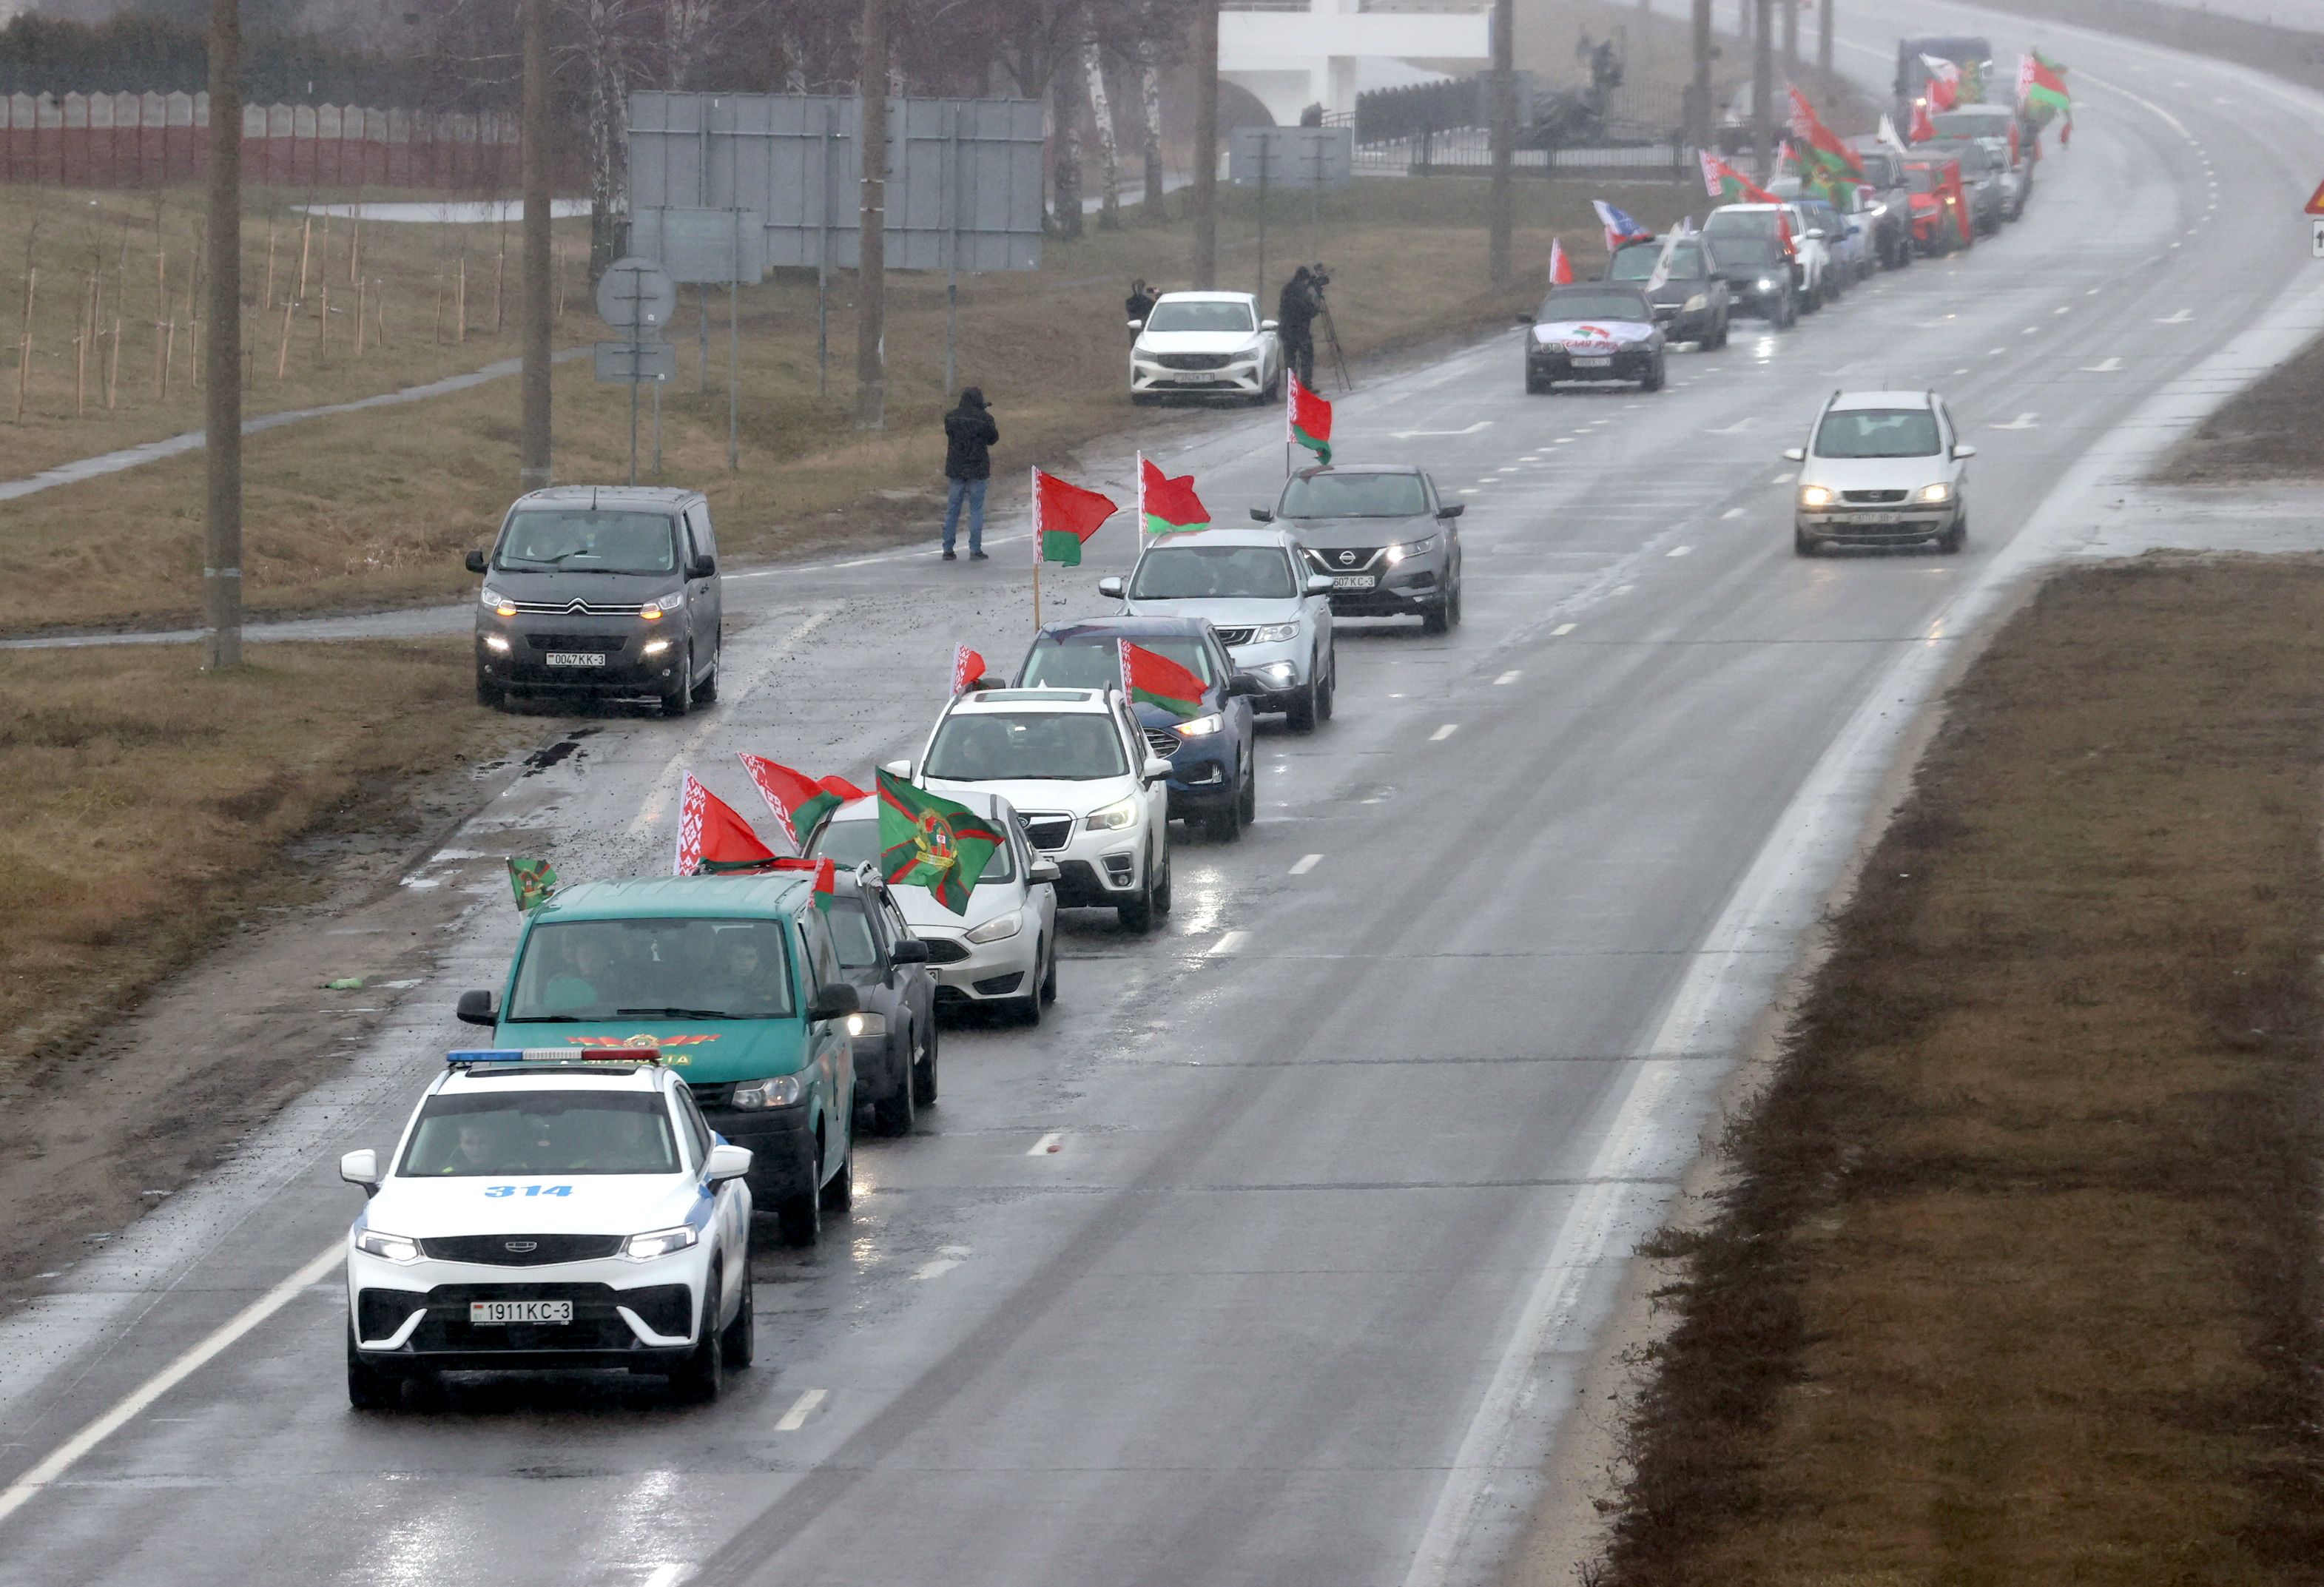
1560,632
1047,1146
801,1408
1227,943
1732,512
1513,677
1304,864
1443,733
1679,551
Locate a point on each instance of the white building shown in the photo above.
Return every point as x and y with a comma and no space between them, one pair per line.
1289,54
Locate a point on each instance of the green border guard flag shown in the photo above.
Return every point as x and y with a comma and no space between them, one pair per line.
932,843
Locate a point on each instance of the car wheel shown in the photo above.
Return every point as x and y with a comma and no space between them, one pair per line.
1250,787
489,695
1028,1009
839,1190
740,1342
699,1378
706,693
1137,914
1452,614
1162,887
368,1388
1534,385
1654,380
1720,339
924,1070
1301,717
1957,536
1437,618
800,1217
1327,696
1050,980
679,700
1804,544
893,1114
1141,400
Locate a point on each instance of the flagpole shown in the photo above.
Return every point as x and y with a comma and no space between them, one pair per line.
1138,532
1290,406
1034,479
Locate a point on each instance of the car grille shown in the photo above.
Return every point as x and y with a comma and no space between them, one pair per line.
576,608
945,950
1192,360
1343,559
540,1249
1869,497
606,644
1232,637
1162,742
1049,830
665,1308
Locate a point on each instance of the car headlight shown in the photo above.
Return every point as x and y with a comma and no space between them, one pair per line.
864,1022
654,647
499,603
1940,491
1696,304
1002,927
653,610
660,1243
1278,672
496,644
1274,633
782,1090
1410,548
1121,813
1201,726
393,1247
1767,283
1813,495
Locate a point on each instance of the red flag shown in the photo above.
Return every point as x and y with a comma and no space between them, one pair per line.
1169,506
846,791
1962,219
710,832
1944,82
1064,517
1561,268
827,874
967,669
1152,678
1306,419
1923,128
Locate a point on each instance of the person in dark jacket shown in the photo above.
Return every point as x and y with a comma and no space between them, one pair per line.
1294,317
1139,304
970,435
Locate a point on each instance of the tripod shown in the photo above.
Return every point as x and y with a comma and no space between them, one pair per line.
1331,340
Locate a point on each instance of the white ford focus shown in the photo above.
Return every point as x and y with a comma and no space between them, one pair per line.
545,1210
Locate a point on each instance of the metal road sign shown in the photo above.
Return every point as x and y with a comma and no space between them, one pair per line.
2316,239
1296,158
636,363
702,247
636,296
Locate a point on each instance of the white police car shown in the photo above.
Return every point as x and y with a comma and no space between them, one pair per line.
545,1210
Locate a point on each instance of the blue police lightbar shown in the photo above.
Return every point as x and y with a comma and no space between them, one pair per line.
467,1057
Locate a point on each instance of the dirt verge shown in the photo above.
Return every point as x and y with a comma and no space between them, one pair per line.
2017,1277
2268,431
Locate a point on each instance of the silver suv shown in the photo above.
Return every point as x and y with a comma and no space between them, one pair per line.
1881,468
1271,612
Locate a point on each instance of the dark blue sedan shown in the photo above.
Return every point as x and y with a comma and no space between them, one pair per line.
1213,785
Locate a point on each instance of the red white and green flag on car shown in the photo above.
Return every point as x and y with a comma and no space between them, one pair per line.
1169,506
968,666
798,800
1065,516
2042,87
1730,186
711,836
1944,82
1561,268
1306,419
932,843
1824,157
1151,678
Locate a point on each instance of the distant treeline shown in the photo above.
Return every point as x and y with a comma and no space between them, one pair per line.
141,52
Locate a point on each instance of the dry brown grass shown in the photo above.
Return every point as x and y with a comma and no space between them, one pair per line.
374,509
148,805
2267,431
2019,1281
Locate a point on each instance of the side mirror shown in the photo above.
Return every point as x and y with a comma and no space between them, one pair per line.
475,1007
1267,325
1795,454
1964,450
833,1003
1246,686
1453,510
1156,768
1137,325
1109,587
360,1168
1043,871
475,561
727,1161
1263,514
908,950
1319,583
902,768
703,566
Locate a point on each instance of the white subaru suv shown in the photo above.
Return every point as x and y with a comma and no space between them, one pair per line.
543,1212
1205,345
1094,801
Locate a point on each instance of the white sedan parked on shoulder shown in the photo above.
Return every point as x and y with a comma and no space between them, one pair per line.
1205,345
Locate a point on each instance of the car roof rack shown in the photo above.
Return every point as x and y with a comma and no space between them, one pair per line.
517,1057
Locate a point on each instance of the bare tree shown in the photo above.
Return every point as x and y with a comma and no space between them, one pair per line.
1108,215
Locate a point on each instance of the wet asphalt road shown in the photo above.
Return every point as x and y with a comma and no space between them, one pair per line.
1347,1157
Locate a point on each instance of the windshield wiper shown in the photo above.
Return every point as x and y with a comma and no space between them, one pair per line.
545,1019
673,1014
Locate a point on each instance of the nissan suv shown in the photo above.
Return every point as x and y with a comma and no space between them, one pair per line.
1271,612
1881,468
1383,536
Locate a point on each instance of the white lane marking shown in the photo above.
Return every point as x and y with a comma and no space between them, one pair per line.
1304,864
1047,1146
937,1268
1443,733
664,1575
801,1408
2023,421
2029,330
1736,428
2109,367
1679,551
1467,490
1230,942
2181,318
1513,677
1560,632
2062,308
63,1457
1732,512
1783,479
1406,435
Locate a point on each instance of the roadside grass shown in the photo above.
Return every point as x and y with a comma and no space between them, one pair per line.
149,805
2266,431
374,509
2016,1278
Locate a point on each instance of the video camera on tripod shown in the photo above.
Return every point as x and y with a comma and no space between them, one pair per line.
1318,278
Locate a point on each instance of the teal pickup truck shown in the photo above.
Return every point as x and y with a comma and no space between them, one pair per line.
736,981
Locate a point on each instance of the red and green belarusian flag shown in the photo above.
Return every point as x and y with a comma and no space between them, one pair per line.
1064,517
1169,506
1730,186
1825,158
1306,418
1151,678
2042,87
932,843
711,836
798,800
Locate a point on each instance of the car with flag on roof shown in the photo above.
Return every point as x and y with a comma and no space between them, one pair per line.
1384,536
1731,225
999,948
1198,715
1594,331
736,982
549,1209
1680,276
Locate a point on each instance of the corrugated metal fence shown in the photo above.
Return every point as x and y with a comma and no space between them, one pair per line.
154,140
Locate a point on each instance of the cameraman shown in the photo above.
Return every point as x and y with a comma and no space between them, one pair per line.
1302,300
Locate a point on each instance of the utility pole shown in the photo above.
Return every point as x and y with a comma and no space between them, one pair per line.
1823,41
1763,92
1205,201
222,418
871,267
1505,139
1698,120
533,440
1791,39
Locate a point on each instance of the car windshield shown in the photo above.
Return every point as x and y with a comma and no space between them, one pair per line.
1559,307
1354,495
542,1132
1000,746
1973,123
1198,573
1923,178
1749,253
851,930
581,540
1198,316
655,969
1639,264
1740,222
1094,661
1877,432
1879,168
850,843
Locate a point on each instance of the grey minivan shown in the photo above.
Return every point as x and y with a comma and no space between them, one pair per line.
601,591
